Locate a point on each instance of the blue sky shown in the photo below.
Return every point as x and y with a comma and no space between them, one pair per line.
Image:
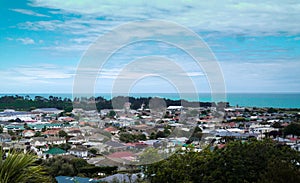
257,44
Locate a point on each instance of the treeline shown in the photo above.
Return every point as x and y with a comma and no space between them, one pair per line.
253,161
25,103
136,103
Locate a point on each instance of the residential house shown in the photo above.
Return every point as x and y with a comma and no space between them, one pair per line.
28,133
112,130
5,137
77,140
55,140
38,141
122,156
115,146
54,151
74,132
47,111
53,132
79,151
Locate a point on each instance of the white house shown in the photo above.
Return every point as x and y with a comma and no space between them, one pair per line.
81,152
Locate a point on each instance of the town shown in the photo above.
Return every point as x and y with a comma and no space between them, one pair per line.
124,137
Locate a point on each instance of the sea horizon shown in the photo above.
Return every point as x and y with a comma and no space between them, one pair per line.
242,99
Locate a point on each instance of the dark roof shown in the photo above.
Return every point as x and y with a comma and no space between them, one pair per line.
121,178
13,113
233,134
48,109
114,144
79,148
5,135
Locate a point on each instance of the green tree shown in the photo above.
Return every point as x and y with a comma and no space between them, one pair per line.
112,114
93,151
38,134
21,167
292,129
251,161
62,133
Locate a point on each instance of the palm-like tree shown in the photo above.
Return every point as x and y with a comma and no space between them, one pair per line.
21,167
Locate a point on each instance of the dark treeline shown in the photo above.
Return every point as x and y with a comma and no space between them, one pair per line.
252,161
25,103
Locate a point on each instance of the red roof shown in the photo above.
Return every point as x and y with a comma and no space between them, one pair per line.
293,139
136,144
110,129
30,131
68,119
51,132
124,154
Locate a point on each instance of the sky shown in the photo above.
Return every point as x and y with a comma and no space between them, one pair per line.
255,43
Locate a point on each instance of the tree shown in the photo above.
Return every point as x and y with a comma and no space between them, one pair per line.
38,134
276,125
71,166
253,161
197,134
277,173
272,110
62,133
93,151
21,167
112,114
292,129
150,155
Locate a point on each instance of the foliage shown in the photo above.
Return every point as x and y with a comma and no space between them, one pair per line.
38,134
112,114
151,155
276,125
127,137
292,129
26,103
197,134
71,166
21,167
62,133
272,110
93,151
253,161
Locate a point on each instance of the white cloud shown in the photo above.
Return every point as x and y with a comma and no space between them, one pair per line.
255,17
43,78
279,76
44,72
26,40
94,18
29,12
40,73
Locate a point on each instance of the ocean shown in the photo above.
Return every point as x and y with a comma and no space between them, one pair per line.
276,100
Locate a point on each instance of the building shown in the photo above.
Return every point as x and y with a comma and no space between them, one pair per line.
81,151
